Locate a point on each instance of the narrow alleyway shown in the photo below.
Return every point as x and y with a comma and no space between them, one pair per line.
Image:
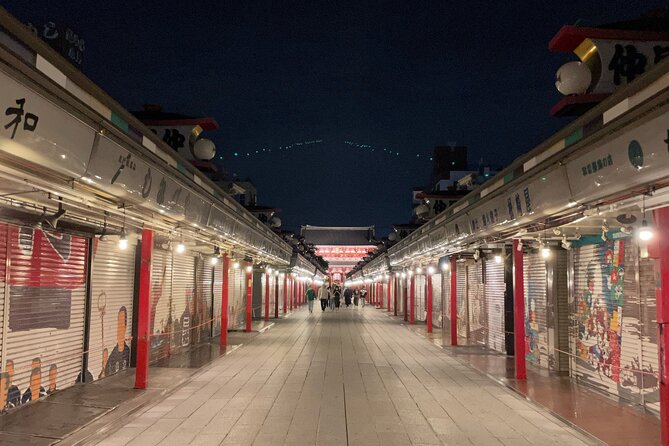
354,377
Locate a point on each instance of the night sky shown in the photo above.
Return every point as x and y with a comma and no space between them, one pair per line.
397,75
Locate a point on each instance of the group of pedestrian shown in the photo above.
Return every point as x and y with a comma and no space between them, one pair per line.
330,297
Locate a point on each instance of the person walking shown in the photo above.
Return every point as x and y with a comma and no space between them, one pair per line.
311,296
363,296
323,296
347,297
356,297
337,297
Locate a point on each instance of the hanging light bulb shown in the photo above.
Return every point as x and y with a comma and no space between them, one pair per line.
430,270
444,266
180,248
235,265
645,232
123,241
545,252
419,270
249,268
498,258
214,261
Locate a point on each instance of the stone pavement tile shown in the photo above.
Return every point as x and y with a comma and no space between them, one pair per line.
154,434
124,435
241,435
421,434
458,439
179,437
220,424
413,417
207,440
364,439
443,425
394,439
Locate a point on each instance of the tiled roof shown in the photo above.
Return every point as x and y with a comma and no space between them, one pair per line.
329,235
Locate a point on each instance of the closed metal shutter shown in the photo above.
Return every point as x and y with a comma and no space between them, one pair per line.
536,327
202,307
561,306
421,307
280,281
462,316
437,301
161,303
494,297
446,289
47,293
183,287
237,299
112,290
614,339
478,325
218,297
4,253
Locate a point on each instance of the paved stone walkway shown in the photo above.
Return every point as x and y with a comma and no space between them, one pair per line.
353,377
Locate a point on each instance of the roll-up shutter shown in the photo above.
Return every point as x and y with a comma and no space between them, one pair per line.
218,297
202,307
183,286
47,293
477,310
536,327
161,303
420,298
236,297
494,297
112,289
615,342
280,281
4,252
437,301
462,316
446,290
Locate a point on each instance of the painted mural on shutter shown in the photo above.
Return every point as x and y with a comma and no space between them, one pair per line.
161,303
446,289
461,295
536,328
421,308
4,233
44,344
437,302
615,341
183,288
203,302
478,325
112,289
218,297
494,297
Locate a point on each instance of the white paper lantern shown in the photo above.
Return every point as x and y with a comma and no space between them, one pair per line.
573,78
204,149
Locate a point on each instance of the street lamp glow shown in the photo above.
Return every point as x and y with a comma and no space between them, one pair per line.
444,266
181,248
235,265
123,241
249,268
545,252
498,258
214,261
645,232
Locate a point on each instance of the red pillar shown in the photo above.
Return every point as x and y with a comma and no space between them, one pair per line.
454,301
412,301
518,312
224,302
389,278
405,298
292,292
249,297
285,293
396,283
144,311
276,296
267,276
428,317
661,252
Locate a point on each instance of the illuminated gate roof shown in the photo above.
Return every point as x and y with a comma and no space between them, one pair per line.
341,247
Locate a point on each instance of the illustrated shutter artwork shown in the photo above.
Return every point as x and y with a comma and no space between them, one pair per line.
476,302
446,290
615,338
536,327
4,245
183,286
202,305
420,310
161,303
494,297
218,297
47,293
112,290
462,316
437,302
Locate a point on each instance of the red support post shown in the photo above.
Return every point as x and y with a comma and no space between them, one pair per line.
292,292
428,317
396,284
454,301
224,302
267,276
285,293
660,250
405,298
518,312
249,298
276,296
389,277
412,300
144,311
